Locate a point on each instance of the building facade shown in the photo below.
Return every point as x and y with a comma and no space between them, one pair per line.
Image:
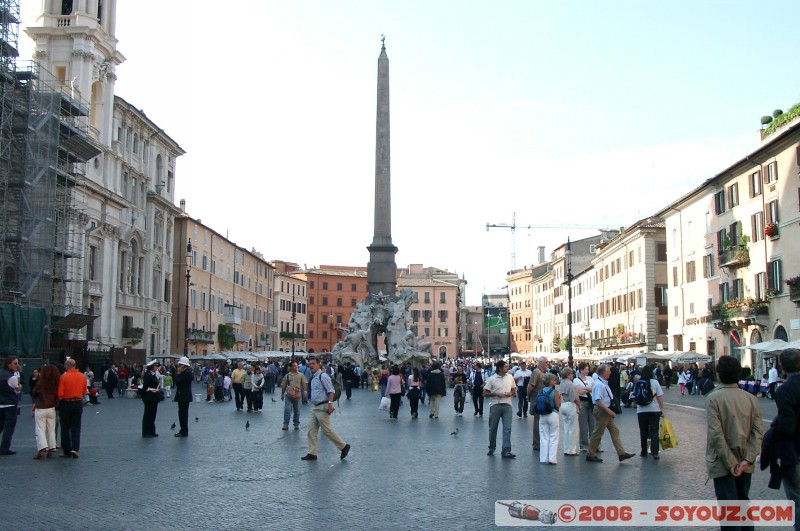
291,307
227,290
732,248
127,229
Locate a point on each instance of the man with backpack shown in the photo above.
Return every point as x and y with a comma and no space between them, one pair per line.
649,399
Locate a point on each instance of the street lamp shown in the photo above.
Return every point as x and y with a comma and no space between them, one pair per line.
186,315
569,300
331,338
293,316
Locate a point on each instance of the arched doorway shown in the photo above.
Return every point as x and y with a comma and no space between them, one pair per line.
780,333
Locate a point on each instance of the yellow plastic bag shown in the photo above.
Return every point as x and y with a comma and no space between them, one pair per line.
667,437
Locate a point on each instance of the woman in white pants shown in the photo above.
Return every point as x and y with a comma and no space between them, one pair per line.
569,411
548,422
45,396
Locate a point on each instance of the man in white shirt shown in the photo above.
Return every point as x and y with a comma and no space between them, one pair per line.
500,388
772,381
522,378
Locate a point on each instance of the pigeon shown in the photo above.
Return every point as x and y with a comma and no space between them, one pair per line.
273,399
247,426
455,433
172,427
197,419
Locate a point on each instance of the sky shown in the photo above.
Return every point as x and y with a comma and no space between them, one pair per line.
572,113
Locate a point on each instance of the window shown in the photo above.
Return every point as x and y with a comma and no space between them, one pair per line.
721,243
205,263
757,224
324,318
92,262
724,292
772,212
203,301
352,287
311,300
338,286
414,315
708,266
675,275
442,315
772,172
311,285
338,301
311,318
426,315
353,303
661,252
442,297
212,303
738,289
661,296
774,276
733,234
324,301
193,298
719,202
324,285
733,195
690,271
761,285
427,297
755,184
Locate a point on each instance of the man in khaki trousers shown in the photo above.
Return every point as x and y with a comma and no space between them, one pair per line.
321,410
604,418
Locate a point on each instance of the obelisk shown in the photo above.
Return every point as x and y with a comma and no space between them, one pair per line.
381,269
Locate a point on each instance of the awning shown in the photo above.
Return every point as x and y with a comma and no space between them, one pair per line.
73,321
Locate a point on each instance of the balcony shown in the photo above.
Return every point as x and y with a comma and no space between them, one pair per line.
241,338
740,314
132,335
734,258
233,314
288,335
200,336
93,288
622,340
578,341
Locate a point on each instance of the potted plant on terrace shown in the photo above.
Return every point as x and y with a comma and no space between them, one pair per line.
771,230
794,288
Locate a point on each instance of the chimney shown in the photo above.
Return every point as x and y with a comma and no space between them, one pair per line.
540,254
183,206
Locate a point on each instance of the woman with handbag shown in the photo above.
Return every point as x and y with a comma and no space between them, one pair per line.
394,390
414,392
150,397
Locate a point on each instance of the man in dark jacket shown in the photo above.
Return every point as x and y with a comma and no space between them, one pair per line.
436,387
9,402
786,425
349,377
183,394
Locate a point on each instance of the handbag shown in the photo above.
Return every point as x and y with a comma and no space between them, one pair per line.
385,403
666,436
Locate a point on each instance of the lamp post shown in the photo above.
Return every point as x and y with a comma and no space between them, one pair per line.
293,316
330,318
569,300
188,283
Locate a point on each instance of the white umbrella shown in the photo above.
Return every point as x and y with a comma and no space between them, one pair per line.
791,344
690,357
766,346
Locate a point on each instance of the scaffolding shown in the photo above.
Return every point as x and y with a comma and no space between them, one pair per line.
42,192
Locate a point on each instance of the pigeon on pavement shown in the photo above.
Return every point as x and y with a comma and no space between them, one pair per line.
455,433
247,426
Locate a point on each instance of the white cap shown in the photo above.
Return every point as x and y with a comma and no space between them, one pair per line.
153,362
184,361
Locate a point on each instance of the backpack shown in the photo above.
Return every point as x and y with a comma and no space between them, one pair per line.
642,393
707,387
543,405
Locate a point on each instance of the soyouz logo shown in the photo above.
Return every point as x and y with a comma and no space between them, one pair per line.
650,513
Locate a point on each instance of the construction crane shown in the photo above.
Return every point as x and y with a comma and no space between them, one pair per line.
513,226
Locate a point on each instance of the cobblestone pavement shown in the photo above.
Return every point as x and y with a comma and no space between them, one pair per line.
400,474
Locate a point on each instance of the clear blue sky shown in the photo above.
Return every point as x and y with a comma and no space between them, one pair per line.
579,113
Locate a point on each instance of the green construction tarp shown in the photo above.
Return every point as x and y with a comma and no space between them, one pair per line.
21,330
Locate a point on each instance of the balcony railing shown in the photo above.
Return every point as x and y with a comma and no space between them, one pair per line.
132,335
288,335
619,341
241,338
233,314
200,336
734,258
741,312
